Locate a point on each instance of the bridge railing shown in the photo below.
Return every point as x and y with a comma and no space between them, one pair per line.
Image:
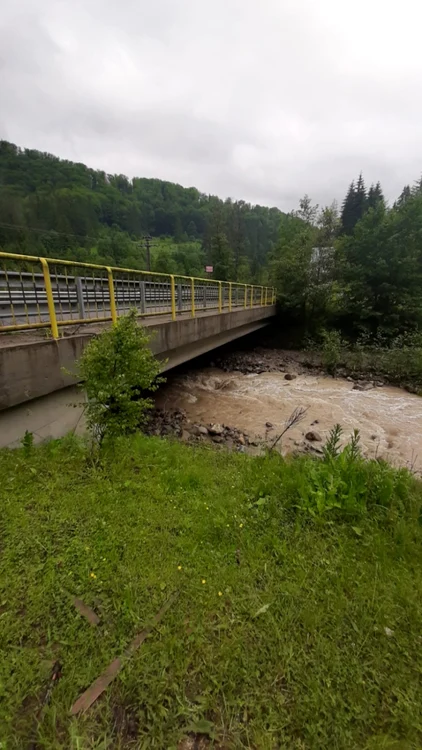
47,293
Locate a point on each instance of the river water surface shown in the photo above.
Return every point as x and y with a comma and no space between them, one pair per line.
389,419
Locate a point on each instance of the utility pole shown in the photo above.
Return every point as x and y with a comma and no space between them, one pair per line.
147,240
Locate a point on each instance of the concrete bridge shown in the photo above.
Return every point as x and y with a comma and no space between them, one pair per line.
49,310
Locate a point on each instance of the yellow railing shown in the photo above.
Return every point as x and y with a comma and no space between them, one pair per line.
43,292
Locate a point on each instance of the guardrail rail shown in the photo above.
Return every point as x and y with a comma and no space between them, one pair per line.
47,293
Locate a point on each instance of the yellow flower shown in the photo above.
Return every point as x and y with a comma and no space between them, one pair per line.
241,526
203,580
220,593
92,575
179,567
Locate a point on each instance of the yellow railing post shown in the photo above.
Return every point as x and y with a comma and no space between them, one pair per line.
50,299
192,292
262,296
113,311
173,297
266,296
220,297
230,296
251,295
246,295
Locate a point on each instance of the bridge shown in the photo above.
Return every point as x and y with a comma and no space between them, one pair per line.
49,310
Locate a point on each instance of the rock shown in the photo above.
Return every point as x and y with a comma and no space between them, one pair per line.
216,429
269,425
350,380
378,383
241,440
316,421
363,386
313,436
290,376
217,439
185,435
198,430
374,437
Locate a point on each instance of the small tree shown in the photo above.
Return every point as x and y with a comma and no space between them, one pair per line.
116,368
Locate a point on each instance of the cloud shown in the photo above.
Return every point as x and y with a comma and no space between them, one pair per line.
260,101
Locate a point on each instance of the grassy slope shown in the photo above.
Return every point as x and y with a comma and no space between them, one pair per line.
315,670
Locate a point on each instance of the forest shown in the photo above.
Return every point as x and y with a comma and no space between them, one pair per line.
53,207
356,268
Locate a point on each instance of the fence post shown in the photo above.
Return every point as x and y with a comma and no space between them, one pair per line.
251,295
179,297
246,296
80,296
230,296
262,296
220,297
50,299
142,290
173,298
266,296
192,294
113,311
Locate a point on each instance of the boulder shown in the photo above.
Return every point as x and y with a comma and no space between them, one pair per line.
313,436
216,429
290,376
363,386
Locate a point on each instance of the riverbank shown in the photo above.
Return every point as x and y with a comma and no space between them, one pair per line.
288,630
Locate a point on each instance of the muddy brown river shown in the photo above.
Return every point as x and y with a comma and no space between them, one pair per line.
389,419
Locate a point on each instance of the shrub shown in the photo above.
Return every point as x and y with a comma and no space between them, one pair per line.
116,368
343,483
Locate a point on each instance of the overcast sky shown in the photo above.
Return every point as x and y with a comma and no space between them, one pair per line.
256,99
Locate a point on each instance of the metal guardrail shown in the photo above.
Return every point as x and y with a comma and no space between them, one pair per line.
42,292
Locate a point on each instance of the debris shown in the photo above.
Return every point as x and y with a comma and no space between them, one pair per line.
388,632
103,681
262,610
86,611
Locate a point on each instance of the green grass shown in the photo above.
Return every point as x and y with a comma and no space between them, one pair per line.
292,654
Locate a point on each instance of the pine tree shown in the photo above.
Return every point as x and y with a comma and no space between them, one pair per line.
375,196
361,199
404,196
354,205
347,210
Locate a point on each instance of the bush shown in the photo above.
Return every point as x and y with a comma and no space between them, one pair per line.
116,368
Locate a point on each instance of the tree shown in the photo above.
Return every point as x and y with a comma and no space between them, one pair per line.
221,257
354,205
306,211
375,196
116,368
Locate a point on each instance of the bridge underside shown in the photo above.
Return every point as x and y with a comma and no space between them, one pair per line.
32,366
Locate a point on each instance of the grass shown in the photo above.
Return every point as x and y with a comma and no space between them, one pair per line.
277,639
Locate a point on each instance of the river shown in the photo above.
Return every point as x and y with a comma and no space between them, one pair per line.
388,418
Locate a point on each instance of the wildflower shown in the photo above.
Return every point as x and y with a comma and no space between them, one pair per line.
179,567
92,575
203,580
241,526
220,593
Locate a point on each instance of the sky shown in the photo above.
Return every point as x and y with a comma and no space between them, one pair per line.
260,100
